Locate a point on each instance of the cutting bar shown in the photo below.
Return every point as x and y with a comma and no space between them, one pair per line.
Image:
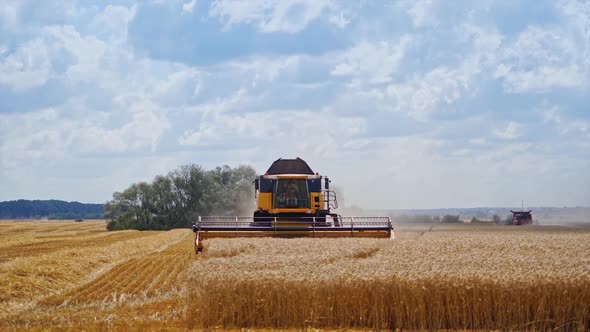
330,226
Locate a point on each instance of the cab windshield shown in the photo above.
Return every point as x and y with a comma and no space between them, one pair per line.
291,193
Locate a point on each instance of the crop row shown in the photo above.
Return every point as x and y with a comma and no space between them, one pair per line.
145,276
427,304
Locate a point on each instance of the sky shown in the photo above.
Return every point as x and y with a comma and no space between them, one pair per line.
403,104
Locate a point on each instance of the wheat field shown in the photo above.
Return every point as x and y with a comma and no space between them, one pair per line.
73,276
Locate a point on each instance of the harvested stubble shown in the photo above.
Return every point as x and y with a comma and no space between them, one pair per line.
93,279
440,280
32,275
140,278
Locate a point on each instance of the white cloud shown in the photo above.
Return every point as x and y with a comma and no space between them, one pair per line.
111,24
179,88
264,69
142,131
577,13
8,13
62,53
551,115
421,95
371,63
79,57
218,128
29,66
578,128
340,20
237,100
33,62
512,130
280,131
421,12
17,17
86,51
73,130
270,15
22,142
484,43
136,93
188,7
541,59
541,79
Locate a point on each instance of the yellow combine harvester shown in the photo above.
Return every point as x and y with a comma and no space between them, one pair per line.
292,201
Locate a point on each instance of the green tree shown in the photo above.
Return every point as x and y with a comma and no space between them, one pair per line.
177,199
52,209
233,188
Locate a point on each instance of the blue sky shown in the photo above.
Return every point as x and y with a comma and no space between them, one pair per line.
404,104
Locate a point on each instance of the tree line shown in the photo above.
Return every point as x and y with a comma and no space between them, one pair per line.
175,200
50,209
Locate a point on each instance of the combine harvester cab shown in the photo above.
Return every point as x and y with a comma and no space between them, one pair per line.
292,201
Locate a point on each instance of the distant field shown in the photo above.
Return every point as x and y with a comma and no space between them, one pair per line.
68,275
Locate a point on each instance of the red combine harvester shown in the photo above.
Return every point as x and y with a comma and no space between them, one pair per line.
522,217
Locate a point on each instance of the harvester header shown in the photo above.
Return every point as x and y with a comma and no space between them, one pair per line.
292,201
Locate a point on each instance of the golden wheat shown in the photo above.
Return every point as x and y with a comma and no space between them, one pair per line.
388,304
498,256
452,279
72,276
